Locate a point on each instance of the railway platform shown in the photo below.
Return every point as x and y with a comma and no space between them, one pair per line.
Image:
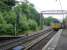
58,42
62,43
53,42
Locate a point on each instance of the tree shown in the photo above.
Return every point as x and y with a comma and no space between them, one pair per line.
28,10
6,5
10,17
28,17
49,20
32,24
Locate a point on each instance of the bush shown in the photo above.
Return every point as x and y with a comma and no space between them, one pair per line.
6,29
32,24
23,24
26,25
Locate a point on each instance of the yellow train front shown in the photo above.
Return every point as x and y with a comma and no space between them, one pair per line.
56,25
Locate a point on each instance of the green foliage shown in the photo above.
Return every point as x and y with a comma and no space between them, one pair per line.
10,17
6,5
65,20
6,28
27,24
23,24
29,11
49,20
32,24
28,18
2,21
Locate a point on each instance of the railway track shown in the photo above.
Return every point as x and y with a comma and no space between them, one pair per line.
19,41
40,44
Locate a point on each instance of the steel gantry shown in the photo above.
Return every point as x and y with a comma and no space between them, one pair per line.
54,12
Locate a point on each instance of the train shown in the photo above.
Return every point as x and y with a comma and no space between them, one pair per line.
56,25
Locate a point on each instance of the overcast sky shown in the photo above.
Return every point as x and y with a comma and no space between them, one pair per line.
49,4
42,5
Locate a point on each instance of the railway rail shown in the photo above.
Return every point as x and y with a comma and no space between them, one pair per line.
22,40
40,44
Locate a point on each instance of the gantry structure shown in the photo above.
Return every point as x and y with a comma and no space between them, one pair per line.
54,12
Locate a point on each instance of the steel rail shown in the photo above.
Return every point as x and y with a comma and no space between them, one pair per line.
39,45
19,41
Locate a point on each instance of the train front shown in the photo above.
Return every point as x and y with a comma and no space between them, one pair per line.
56,25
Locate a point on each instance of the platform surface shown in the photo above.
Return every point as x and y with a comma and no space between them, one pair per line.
62,43
51,45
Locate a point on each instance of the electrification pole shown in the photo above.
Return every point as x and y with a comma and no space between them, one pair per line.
17,17
41,20
62,12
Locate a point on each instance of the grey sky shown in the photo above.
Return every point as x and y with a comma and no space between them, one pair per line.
42,5
49,4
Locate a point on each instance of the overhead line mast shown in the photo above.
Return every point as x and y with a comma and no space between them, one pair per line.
61,9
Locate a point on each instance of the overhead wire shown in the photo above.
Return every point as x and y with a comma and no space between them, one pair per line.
63,23
61,9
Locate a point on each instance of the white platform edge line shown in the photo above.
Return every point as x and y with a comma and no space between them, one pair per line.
60,31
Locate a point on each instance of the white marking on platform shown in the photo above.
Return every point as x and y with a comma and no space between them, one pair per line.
51,45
